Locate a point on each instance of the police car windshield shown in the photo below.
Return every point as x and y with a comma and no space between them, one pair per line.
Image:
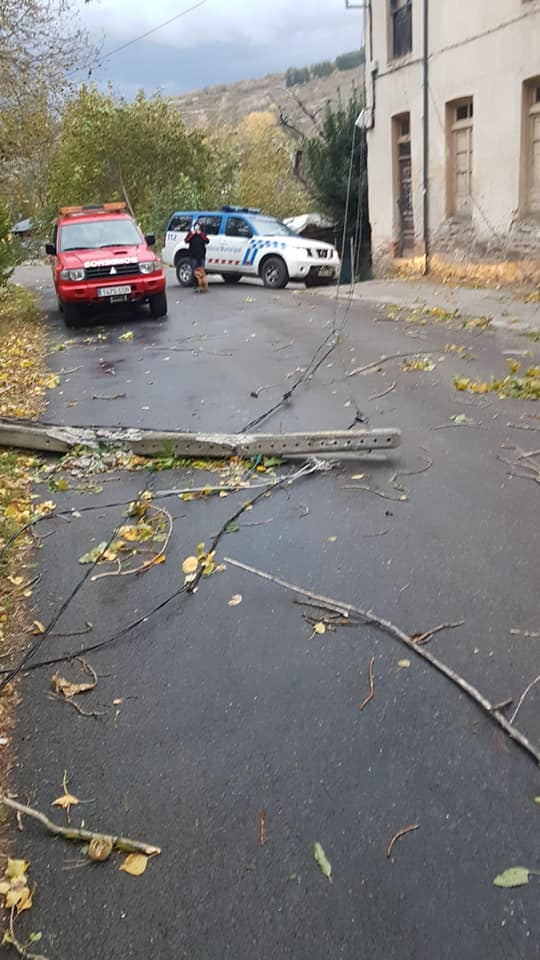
268,227
93,234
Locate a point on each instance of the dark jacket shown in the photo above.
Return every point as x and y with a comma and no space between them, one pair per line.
197,244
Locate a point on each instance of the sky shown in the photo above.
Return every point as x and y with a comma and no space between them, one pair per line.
220,42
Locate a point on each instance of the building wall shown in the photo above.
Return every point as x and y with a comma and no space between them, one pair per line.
471,54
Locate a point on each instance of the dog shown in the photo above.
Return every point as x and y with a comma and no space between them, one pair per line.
202,280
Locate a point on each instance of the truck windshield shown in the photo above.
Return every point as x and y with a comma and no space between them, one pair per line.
93,234
269,227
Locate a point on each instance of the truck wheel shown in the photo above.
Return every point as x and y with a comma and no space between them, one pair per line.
72,314
158,304
184,272
274,273
231,277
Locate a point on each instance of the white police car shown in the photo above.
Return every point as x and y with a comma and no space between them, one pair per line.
244,242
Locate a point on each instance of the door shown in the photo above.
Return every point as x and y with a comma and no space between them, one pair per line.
235,240
406,216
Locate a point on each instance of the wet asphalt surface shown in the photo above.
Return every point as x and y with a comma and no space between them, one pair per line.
229,711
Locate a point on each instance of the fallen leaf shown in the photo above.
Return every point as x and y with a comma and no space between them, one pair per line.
128,335
358,476
190,565
322,860
100,848
93,555
38,627
16,581
404,663
461,418
16,869
68,689
537,800
66,801
35,937
513,877
319,628
235,600
118,701
134,864
332,539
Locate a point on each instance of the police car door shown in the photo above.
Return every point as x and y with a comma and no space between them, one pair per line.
236,239
211,225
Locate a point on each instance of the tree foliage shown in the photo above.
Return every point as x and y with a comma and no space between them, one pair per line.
265,174
7,255
348,61
295,75
109,148
328,164
322,69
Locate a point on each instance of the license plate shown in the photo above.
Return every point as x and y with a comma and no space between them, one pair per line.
326,272
114,291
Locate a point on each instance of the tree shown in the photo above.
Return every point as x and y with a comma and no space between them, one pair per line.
339,150
265,177
323,69
41,43
296,75
110,149
7,256
348,61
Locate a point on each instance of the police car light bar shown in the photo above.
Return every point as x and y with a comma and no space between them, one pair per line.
229,209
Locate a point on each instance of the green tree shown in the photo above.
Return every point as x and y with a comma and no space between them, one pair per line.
348,61
323,69
110,149
338,149
7,254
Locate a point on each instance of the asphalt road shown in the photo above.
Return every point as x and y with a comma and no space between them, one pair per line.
227,711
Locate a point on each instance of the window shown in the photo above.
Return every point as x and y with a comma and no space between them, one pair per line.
531,148
237,227
403,186
460,158
400,28
210,224
180,223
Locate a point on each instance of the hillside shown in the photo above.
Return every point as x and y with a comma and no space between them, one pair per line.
230,103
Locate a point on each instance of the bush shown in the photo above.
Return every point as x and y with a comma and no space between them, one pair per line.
296,75
7,251
348,61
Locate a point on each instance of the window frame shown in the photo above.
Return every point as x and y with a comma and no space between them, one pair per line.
396,9
529,203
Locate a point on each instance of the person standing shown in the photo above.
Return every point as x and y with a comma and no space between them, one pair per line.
197,242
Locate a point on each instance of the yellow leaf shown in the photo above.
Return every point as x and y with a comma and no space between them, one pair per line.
404,663
16,869
235,600
537,800
38,627
129,532
332,539
358,476
134,864
320,627
128,335
47,507
66,801
190,565
16,581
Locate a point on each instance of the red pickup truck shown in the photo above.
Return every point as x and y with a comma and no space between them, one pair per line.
100,257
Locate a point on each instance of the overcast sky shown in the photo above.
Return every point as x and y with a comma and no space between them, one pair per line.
222,41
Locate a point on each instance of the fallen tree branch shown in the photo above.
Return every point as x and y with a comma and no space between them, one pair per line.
379,396
398,634
371,693
426,637
19,947
396,837
380,361
523,696
124,844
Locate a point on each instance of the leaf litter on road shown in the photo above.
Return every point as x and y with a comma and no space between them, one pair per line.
322,860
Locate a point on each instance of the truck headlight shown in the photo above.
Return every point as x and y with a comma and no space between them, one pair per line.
74,275
149,266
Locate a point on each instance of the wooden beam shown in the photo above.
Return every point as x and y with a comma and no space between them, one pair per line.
49,438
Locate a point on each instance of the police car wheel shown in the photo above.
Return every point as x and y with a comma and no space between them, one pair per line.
184,272
274,273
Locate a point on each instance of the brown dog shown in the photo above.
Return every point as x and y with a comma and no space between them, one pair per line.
202,280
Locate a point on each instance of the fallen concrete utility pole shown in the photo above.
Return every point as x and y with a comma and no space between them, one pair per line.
48,438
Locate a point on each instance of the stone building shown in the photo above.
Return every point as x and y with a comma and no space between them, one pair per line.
453,130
